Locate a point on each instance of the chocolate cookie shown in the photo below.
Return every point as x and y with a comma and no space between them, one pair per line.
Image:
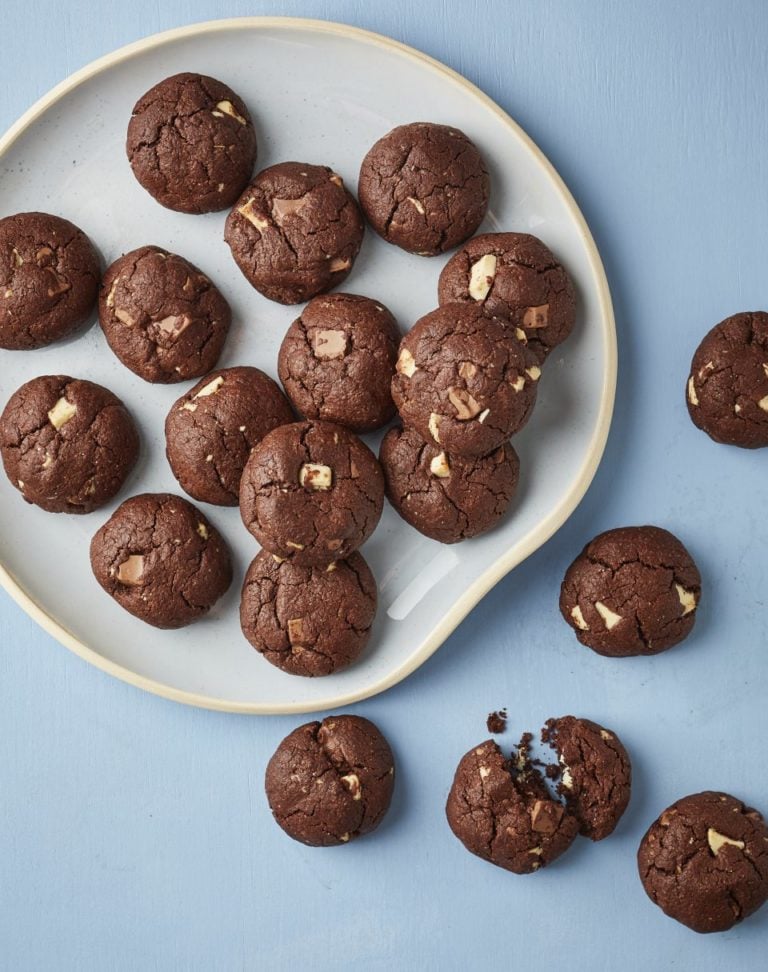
515,277
337,361
162,317
67,445
631,591
295,231
311,491
424,187
444,496
331,781
211,430
704,862
595,773
49,278
308,620
501,810
727,390
161,560
191,143
462,381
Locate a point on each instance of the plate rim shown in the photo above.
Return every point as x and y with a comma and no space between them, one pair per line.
500,567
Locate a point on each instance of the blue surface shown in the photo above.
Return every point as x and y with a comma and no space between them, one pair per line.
134,833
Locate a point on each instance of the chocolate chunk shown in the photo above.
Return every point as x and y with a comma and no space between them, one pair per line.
424,187
191,143
631,591
330,782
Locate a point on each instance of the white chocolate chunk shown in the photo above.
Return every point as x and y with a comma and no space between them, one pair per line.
434,426
111,294
202,530
61,413
416,205
536,850
467,370
285,207
329,344
405,363
352,783
687,599
534,372
338,264
693,398
737,408
763,403
610,617
259,222
17,259
439,466
295,630
481,276
536,317
188,407
578,617
344,838
124,317
717,841
227,108
483,415
131,571
519,383
465,404
316,476
334,177
567,778
521,335
173,325
485,772
211,388
604,734
47,462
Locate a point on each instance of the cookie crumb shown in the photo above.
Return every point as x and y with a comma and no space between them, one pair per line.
497,721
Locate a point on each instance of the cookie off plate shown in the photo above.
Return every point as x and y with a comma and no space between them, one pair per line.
345,89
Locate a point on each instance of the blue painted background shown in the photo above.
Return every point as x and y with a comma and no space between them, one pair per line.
134,833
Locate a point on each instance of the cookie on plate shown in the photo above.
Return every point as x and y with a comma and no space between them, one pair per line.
501,810
631,591
211,430
515,277
595,773
311,492
308,620
446,497
191,143
161,560
162,317
463,381
424,187
727,391
68,445
49,279
704,862
330,782
295,231
337,360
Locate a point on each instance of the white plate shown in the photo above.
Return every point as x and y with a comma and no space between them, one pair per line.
322,93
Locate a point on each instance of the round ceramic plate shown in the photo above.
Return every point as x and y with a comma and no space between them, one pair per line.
323,93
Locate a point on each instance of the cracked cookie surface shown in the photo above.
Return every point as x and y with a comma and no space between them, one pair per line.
443,496
191,143
161,316
337,360
631,591
311,492
308,620
211,430
67,445
161,560
424,187
515,277
462,381
727,389
501,810
331,781
704,862
295,231
49,279
595,773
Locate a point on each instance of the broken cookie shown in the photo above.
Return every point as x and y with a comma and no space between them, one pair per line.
631,591
49,279
308,620
295,231
330,782
463,382
191,143
162,317
704,862
446,497
337,360
727,390
161,560
67,445
515,277
424,187
311,492
212,429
